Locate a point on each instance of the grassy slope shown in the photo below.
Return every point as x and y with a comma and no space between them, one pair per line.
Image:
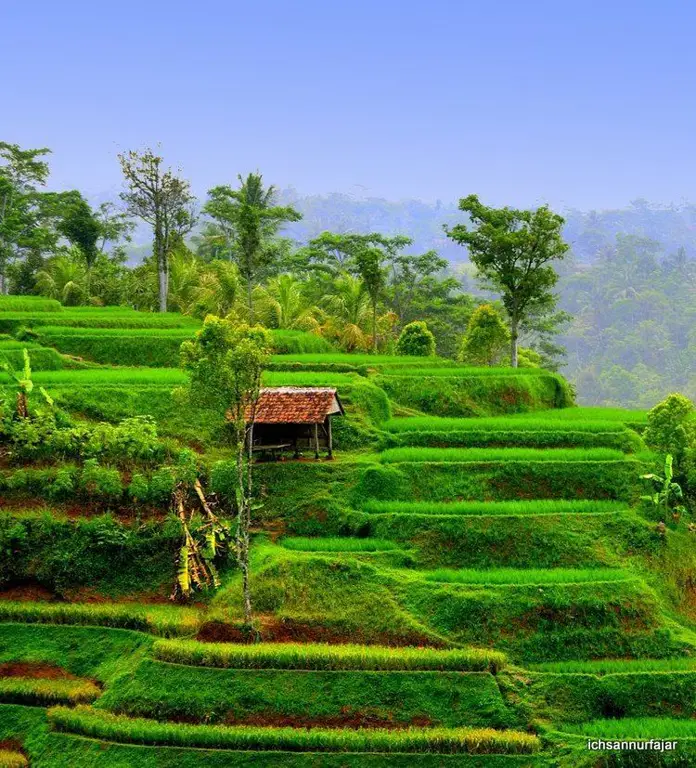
336,588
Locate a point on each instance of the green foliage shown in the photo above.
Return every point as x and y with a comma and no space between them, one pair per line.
483,455
161,620
485,339
98,552
381,482
643,728
41,436
311,697
528,576
29,304
298,342
513,251
416,340
672,427
452,393
43,693
327,657
101,725
667,493
225,363
324,544
547,541
490,508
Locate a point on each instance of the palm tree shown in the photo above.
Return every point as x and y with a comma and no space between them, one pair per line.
64,278
249,219
281,304
349,313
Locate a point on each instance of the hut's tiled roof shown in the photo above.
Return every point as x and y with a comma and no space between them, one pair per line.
295,405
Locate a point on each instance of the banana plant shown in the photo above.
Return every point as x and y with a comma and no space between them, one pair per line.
668,494
25,385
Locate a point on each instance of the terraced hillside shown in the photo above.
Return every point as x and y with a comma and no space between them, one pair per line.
471,582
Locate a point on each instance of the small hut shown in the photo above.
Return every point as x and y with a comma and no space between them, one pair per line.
294,418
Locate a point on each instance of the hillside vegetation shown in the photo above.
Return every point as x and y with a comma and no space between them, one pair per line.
474,579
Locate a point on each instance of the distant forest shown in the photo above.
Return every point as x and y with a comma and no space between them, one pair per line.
629,285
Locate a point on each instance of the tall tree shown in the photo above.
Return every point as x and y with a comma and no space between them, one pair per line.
21,171
513,251
81,227
249,220
369,266
225,362
163,200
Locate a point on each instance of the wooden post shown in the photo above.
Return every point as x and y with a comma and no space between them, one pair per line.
316,441
330,437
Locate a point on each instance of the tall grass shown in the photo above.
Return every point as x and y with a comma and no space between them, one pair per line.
61,330
360,359
105,726
533,423
309,379
483,455
635,728
517,576
342,544
162,620
617,666
299,342
170,377
44,693
580,414
90,317
508,508
456,371
29,304
324,656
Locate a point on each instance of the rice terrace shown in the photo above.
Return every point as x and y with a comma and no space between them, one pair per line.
329,479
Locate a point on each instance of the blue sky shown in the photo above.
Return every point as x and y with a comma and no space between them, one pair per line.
580,104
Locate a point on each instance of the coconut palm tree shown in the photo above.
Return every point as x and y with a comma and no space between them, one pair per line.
64,278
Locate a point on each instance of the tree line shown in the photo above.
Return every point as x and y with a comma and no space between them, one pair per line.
227,255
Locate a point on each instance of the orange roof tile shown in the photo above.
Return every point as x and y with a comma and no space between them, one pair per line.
295,405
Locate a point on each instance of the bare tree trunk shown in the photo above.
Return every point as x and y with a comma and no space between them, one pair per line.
244,518
163,288
514,334
374,326
251,302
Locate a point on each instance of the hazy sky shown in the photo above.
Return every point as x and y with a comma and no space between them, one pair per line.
583,104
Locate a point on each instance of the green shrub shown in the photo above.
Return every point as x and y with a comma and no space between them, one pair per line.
486,338
672,427
99,552
100,481
104,726
416,340
381,483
